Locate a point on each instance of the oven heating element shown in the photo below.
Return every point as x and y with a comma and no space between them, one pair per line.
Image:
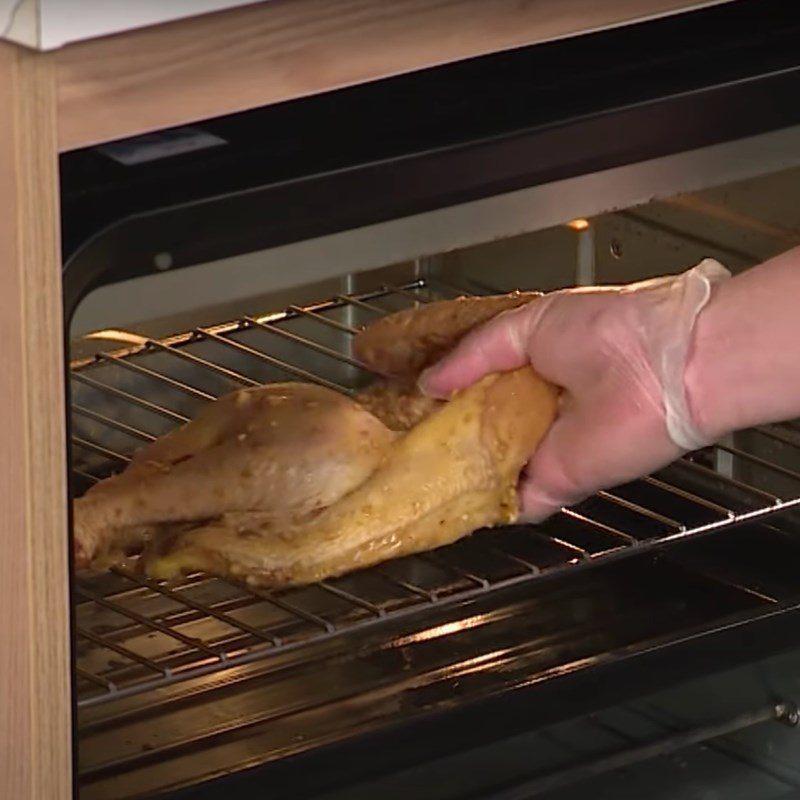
135,635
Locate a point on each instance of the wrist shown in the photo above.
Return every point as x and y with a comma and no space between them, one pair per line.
699,391
710,376
676,305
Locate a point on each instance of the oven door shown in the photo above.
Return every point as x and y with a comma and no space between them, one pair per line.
722,735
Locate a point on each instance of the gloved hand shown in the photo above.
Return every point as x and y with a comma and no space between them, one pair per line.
619,355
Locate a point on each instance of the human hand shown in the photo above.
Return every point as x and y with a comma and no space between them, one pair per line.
619,354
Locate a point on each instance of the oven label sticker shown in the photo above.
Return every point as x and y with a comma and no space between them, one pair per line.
161,144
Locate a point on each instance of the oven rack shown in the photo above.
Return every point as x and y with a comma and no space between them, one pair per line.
134,635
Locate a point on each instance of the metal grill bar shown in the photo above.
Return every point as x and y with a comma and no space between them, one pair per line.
331,323
425,594
761,462
103,683
532,568
150,373
252,596
626,537
390,289
127,397
434,558
289,608
354,301
638,509
692,498
100,450
85,475
161,589
123,651
582,555
745,487
204,363
148,623
319,348
423,581
113,423
778,436
272,361
353,599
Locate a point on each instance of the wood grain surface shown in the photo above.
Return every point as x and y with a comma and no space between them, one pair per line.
245,58
35,733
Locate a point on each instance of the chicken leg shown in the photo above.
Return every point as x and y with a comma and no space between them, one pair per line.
283,449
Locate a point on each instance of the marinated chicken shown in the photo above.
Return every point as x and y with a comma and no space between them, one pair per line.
291,483
454,472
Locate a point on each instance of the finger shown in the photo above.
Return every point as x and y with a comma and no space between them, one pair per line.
497,346
547,484
535,506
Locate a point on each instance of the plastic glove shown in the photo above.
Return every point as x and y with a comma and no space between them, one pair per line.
619,354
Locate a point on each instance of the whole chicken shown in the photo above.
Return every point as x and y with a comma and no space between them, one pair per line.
291,483
451,474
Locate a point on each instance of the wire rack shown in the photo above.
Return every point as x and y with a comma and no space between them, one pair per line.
134,635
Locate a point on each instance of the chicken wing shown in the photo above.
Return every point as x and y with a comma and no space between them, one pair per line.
454,472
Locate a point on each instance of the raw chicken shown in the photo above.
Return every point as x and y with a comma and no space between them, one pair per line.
291,483
454,472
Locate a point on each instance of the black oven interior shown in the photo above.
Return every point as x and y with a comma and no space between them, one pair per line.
652,625
643,564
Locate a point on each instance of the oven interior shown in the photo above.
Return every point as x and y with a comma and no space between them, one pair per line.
180,684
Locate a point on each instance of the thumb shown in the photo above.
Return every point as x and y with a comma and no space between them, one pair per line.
496,346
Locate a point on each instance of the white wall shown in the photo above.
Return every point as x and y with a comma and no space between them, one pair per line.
48,24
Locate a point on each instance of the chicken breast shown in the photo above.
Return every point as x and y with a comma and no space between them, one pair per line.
453,473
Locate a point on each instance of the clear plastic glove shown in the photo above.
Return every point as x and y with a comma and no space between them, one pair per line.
619,354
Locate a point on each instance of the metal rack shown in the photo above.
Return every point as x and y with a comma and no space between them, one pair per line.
134,635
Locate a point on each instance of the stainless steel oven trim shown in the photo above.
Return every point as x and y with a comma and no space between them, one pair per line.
451,228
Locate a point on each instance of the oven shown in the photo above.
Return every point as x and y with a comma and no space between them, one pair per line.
641,644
